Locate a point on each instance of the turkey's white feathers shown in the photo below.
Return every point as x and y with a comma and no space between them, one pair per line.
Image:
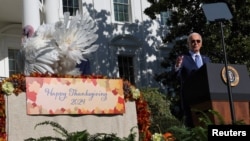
57,48
40,60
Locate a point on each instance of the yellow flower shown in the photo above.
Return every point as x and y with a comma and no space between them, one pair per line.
8,88
135,92
157,137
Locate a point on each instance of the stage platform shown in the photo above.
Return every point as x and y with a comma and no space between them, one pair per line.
20,126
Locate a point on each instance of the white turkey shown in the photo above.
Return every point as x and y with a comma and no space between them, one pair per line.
58,48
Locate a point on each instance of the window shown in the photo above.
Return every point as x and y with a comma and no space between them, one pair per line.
126,68
122,10
13,67
164,17
71,6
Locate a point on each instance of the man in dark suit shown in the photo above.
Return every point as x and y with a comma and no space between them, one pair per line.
186,66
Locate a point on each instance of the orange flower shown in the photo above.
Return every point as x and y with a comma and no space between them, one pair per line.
168,136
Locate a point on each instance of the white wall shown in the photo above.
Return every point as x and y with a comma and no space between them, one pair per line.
10,38
144,31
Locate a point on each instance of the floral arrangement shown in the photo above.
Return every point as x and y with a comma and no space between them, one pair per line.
143,115
163,137
15,84
3,136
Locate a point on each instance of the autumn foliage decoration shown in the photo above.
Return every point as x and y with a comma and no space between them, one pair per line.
143,112
143,118
3,136
16,84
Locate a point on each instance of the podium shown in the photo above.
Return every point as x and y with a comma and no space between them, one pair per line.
207,89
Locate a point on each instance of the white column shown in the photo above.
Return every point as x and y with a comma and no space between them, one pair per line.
51,8
31,15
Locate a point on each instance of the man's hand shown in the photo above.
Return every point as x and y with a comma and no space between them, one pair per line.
179,61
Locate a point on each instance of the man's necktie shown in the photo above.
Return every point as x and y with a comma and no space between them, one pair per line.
198,61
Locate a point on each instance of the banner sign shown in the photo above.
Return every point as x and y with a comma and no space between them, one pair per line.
55,96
